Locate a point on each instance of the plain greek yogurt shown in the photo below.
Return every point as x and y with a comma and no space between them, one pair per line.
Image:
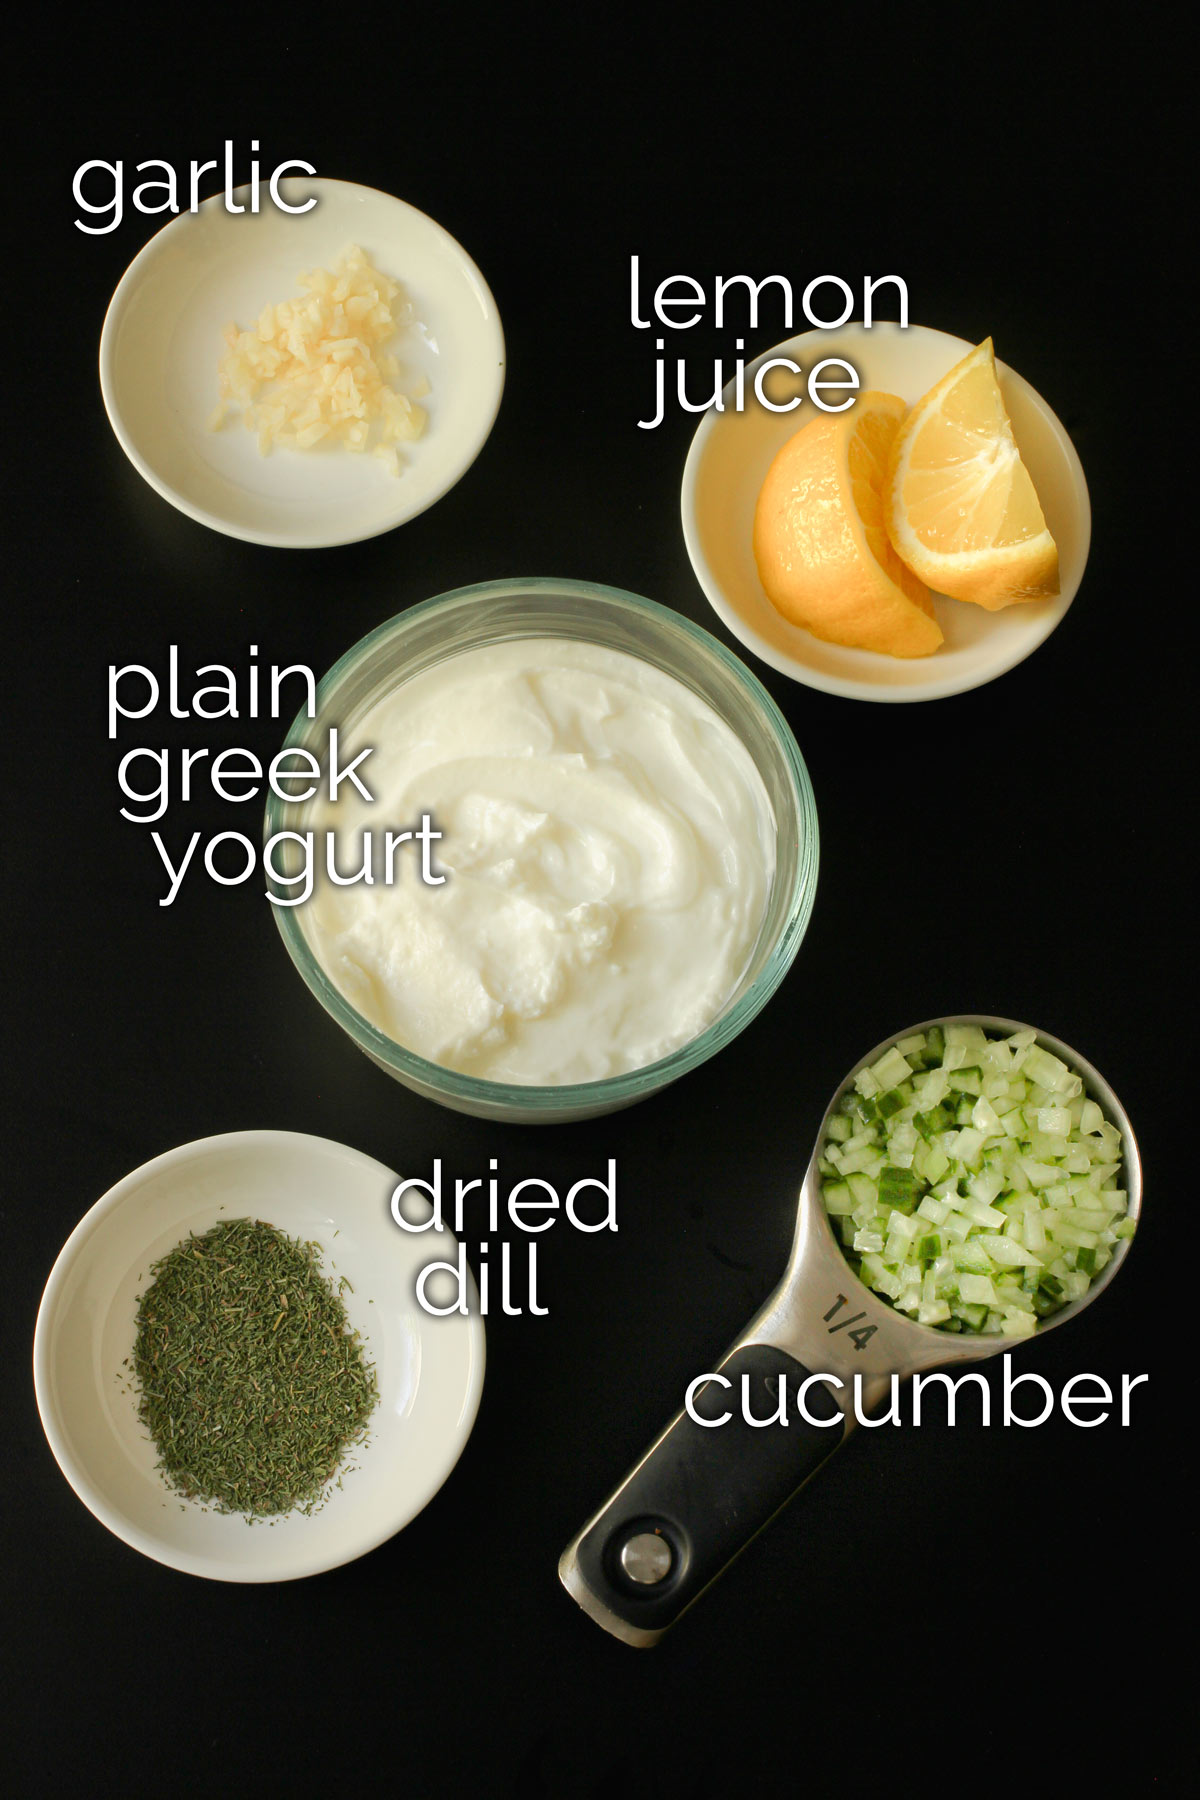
607,845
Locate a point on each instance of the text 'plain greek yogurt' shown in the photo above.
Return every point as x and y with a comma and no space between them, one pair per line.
607,845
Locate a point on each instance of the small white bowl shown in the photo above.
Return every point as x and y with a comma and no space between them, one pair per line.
162,342
727,465
429,1369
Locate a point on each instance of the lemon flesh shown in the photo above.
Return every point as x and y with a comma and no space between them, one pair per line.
960,505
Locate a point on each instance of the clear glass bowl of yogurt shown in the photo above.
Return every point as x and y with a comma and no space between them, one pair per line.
625,827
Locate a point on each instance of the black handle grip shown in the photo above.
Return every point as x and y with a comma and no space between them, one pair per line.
705,1490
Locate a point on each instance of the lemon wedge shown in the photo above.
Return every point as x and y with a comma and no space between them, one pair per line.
961,508
821,541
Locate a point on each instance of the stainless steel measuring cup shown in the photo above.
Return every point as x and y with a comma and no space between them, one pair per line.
702,1491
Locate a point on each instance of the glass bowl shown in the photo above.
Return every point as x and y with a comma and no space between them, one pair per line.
492,613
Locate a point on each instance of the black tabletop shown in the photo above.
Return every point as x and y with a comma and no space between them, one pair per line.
939,1602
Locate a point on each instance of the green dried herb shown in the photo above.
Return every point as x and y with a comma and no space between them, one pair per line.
252,1383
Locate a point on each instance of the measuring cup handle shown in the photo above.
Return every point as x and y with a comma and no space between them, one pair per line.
701,1493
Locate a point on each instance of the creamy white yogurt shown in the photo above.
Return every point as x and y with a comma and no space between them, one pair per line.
608,847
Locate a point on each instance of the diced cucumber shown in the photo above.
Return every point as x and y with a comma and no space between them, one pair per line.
838,1198
972,1182
891,1069
899,1188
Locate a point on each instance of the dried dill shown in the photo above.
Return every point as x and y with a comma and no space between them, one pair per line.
251,1382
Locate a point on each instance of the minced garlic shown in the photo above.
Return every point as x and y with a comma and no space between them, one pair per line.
319,360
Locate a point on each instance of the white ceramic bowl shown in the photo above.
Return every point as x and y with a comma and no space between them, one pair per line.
727,465
430,1370
162,342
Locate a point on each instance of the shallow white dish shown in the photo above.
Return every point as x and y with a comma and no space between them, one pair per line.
728,462
162,341
430,1370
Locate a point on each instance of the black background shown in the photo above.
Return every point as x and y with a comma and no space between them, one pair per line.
961,1605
